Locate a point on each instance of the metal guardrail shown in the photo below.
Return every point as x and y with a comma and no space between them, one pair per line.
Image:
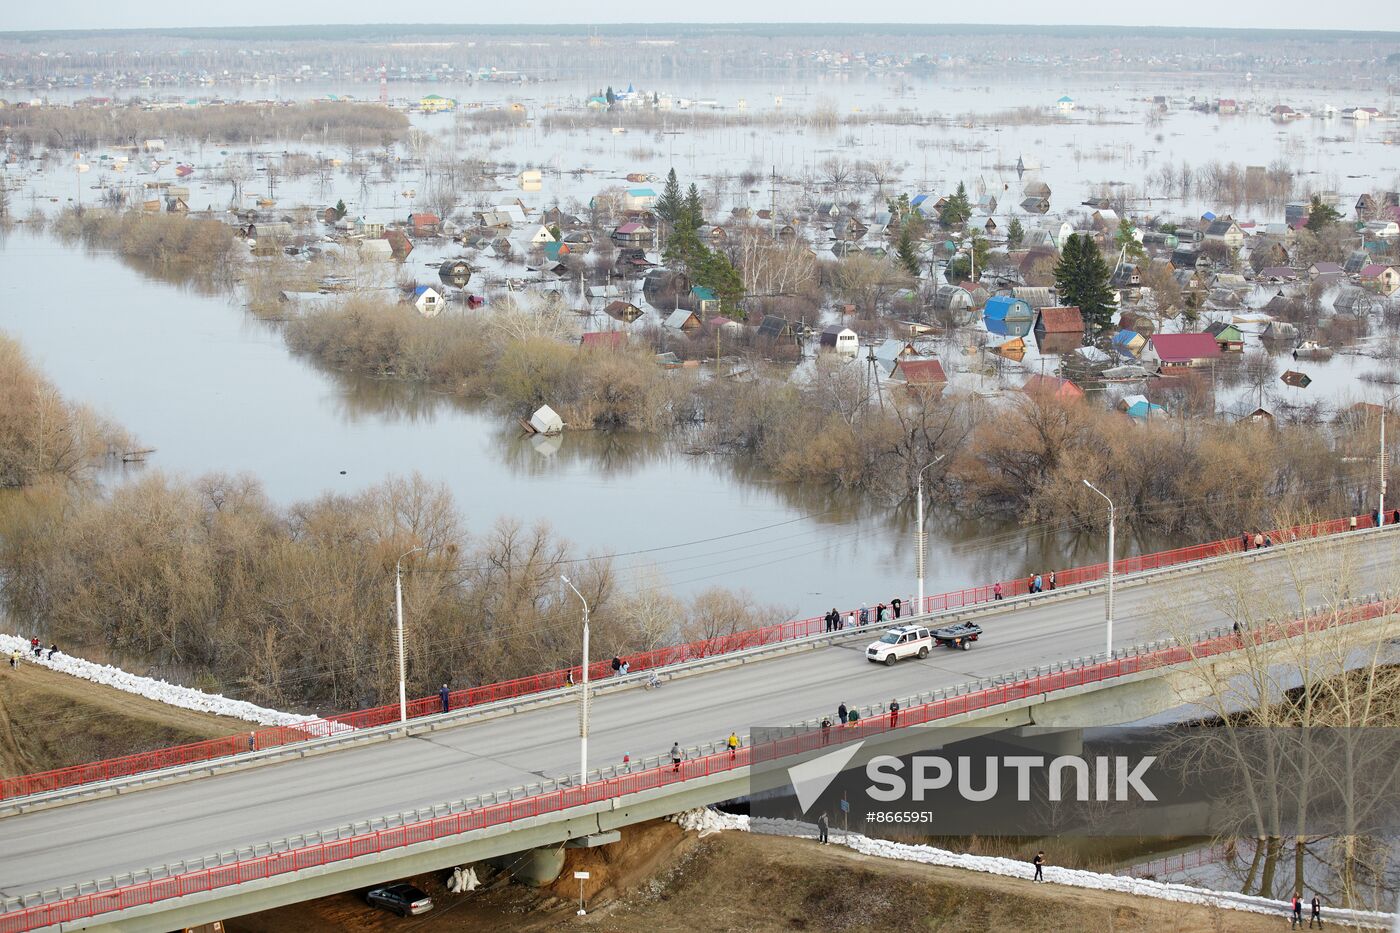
299,852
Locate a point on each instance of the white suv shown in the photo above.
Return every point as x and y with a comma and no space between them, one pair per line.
907,641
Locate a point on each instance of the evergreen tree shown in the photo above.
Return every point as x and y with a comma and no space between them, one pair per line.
716,272
669,205
906,249
960,266
684,252
694,211
956,209
1126,240
1321,215
1082,278
612,98
1015,233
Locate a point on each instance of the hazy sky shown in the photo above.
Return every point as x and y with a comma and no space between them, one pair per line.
1287,14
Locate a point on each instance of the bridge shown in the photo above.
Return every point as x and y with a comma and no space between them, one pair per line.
241,833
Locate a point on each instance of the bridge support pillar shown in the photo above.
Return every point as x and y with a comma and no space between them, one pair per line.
535,867
1052,742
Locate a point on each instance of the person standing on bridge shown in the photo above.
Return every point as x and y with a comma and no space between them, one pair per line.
882,613
733,744
1039,584
842,714
1030,584
1259,539
864,614
826,730
894,713
675,756
1052,579
1244,541
850,619
446,697
996,591
896,604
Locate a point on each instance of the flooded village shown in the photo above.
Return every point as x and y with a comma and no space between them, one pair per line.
711,329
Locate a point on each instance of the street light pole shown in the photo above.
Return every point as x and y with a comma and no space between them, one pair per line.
583,694
1108,610
920,541
1380,513
398,606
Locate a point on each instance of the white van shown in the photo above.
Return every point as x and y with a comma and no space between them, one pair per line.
907,641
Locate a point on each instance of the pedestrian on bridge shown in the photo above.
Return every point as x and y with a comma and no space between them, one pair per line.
445,696
1259,539
733,744
996,591
896,604
1052,579
1030,584
832,618
826,730
1244,541
850,620
841,714
882,613
1039,584
675,756
894,713
864,615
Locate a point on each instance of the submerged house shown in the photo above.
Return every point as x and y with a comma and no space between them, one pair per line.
841,339
1227,336
1181,352
1062,327
1008,317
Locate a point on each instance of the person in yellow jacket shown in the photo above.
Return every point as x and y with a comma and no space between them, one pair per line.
733,744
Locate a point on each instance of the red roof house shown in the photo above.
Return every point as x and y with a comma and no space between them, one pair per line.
1042,387
919,372
604,339
1181,351
424,224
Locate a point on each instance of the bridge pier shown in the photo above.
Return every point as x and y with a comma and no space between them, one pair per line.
535,867
1048,742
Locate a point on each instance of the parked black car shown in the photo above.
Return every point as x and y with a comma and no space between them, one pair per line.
403,899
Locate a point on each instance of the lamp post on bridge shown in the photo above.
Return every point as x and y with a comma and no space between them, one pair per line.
1380,512
920,540
398,607
1108,609
583,691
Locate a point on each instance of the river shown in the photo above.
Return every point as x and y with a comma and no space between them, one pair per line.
213,389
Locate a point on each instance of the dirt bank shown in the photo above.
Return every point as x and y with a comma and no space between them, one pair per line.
51,720
664,881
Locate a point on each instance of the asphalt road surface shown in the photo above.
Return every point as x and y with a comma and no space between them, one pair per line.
148,828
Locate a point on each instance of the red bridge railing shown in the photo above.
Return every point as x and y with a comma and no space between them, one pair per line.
275,736
281,863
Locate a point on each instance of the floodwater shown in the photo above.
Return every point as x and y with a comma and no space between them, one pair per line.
213,389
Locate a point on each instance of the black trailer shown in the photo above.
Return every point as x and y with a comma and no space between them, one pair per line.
961,635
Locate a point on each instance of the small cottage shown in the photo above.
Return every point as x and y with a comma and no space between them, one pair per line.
842,340
427,300
622,311
1052,387
1065,322
1227,336
919,372
683,320
1008,317
1382,279
706,301
1181,352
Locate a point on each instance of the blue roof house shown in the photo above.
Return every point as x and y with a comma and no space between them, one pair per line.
1008,317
